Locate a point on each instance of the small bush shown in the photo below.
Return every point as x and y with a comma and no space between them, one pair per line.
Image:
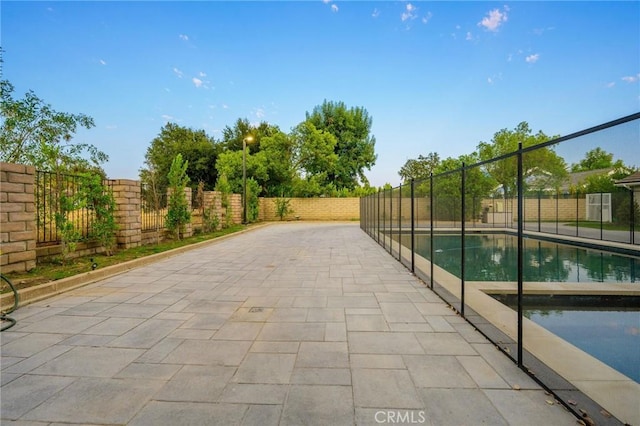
283,207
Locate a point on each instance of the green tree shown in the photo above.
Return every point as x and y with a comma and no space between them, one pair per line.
543,168
198,150
276,159
178,210
224,188
33,133
100,202
419,168
253,203
595,159
354,148
283,207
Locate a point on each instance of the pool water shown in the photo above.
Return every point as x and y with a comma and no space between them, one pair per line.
493,257
608,329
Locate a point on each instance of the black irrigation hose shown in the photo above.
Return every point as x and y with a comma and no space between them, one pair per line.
3,315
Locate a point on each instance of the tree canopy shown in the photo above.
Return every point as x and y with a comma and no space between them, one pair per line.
35,134
196,148
595,159
420,168
542,167
313,159
355,146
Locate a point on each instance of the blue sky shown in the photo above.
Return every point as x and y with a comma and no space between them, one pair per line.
434,76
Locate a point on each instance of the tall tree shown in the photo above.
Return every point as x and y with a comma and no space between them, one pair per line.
197,149
355,146
595,159
178,209
419,168
541,167
33,133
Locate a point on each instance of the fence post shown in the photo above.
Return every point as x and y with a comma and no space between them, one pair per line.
431,230
520,257
400,223
391,221
413,229
462,245
632,217
126,193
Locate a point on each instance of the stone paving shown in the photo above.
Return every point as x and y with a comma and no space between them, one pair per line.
288,324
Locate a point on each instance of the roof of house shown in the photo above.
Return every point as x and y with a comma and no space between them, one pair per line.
631,180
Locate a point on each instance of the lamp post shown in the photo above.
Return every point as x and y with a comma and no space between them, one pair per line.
244,177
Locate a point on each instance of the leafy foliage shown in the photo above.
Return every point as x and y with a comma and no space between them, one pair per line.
178,213
70,235
253,203
224,188
198,150
33,133
595,159
420,168
283,207
543,168
98,199
354,146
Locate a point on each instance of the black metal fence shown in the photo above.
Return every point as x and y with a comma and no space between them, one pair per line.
153,208
51,190
476,249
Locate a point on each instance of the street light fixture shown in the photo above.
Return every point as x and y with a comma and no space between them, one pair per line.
244,177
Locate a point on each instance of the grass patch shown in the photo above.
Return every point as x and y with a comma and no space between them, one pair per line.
596,225
56,270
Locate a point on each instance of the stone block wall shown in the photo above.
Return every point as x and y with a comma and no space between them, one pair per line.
17,218
314,209
126,193
236,208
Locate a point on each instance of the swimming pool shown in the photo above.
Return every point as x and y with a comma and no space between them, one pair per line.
493,257
607,327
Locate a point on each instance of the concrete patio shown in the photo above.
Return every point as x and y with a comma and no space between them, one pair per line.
288,324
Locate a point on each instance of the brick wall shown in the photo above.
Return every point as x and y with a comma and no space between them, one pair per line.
17,218
314,209
126,193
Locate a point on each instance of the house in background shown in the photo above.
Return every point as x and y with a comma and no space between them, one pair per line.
631,182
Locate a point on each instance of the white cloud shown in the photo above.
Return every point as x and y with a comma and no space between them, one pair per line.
167,117
494,19
631,78
184,37
110,127
426,18
469,36
201,74
225,106
610,85
260,113
103,62
532,59
178,72
494,78
375,13
326,1
196,81
409,13
334,8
